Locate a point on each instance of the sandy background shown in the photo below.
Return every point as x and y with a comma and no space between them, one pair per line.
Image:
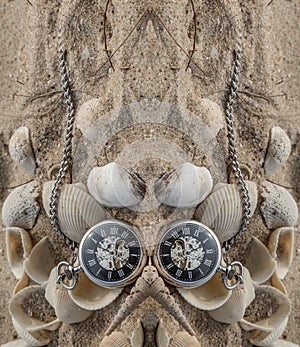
149,66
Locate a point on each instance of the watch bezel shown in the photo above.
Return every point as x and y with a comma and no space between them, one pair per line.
96,280
201,281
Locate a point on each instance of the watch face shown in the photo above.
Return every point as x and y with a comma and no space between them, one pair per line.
189,253
110,253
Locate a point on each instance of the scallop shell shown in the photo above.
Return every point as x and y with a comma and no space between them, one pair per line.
281,246
279,208
223,211
77,211
90,296
185,186
259,261
262,338
18,246
113,186
278,151
277,318
209,296
33,331
119,339
20,149
20,208
65,308
40,261
234,308
180,339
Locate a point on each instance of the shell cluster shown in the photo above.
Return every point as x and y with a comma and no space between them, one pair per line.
219,207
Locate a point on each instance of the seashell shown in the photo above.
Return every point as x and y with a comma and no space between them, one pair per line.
277,318
234,308
40,261
119,339
113,186
185,186
262,338
33,331
15,343
183,339
162,336
22,283
281,246
20,208
279,208
65,308
283,343
77,211
278,284
223,212
259,261
20,149
90,296
279,149
209,296
18,245
87,117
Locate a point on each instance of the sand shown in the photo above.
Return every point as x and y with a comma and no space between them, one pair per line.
150,76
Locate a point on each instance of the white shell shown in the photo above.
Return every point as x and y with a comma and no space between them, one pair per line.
33,331
223,211
263,338
77,211
183,339
277,318
20,208
278,284
234,308
15,343
22,283
281,246
65,308
162,336
279,208
20,149
113,186
278,151
259,261
18,247
87,117
284,343
90,296
40,261
186,186
209,296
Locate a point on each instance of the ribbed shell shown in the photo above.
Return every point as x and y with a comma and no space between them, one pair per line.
20,149
116,339
65,308
183,339
20,208
77,211
279,208
234,308
223,212
278,151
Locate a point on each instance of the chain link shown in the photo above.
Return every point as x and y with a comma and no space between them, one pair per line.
67,156
232,149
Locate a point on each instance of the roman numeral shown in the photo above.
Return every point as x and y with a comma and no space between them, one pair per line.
196,233
109,273
190,274
89,251
93,239
124,234
202,273
132,243
113,230
186,231
205,240
169,266
92,262
102,233
98,271
130,266
178,273
175,234
165,255
207,262
210,251
121,273
167,243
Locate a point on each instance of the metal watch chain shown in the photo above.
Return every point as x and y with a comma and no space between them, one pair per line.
232,271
